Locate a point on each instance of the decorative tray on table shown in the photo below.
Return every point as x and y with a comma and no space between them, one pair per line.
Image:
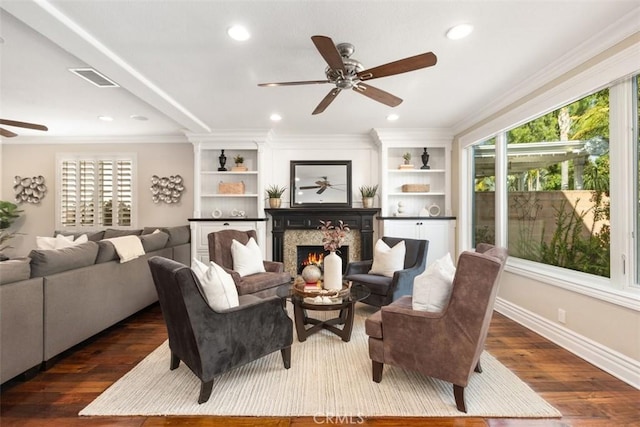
314,293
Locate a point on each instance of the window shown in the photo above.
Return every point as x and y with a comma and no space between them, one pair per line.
96,191
637,173
484,213
558,187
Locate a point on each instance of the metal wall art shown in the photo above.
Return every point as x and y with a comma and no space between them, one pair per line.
167,190
30,190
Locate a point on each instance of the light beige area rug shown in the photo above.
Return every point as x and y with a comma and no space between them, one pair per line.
328,377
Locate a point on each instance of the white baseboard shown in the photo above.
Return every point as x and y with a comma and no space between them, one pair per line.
611,361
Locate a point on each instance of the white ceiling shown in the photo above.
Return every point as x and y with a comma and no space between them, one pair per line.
176,65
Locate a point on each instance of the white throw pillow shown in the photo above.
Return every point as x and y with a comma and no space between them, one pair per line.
432,289
388,260
246,259
218,286
59,242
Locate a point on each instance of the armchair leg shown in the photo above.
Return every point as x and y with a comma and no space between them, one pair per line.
458,393
205,391
478,368
286,357
376,368
175,361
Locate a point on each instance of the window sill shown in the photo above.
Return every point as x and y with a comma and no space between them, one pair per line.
586,284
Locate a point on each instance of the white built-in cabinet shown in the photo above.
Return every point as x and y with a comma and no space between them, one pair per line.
416,202
216,210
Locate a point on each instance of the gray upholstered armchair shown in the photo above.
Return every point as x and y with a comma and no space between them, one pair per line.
211,342
385,289
445,345
259,284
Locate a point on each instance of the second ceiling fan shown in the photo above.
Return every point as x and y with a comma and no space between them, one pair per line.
347,73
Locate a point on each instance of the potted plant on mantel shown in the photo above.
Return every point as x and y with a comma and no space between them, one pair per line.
368,192
275,192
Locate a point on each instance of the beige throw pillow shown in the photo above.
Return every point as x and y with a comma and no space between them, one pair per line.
247,259
388,260
218,286
432,289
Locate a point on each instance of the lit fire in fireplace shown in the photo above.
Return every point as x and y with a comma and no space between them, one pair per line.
313,258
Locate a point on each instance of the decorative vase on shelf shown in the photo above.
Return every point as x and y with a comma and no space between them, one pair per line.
223,160
332,271
425,159
274,203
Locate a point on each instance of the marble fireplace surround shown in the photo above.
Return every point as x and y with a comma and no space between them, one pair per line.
299,226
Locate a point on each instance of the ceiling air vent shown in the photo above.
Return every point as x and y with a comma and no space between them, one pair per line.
94,77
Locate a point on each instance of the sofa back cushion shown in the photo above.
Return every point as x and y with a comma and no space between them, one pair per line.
154,241
110,233
15,270
51,261
178,235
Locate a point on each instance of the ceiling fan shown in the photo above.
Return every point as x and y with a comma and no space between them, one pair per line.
8,134
322,185
347,73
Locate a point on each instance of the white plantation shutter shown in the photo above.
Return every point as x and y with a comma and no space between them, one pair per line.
96,192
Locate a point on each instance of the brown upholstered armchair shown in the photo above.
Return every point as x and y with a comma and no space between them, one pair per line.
445,345
259,284
211,342
386,289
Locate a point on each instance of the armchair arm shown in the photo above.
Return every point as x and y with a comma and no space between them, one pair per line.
273,266
403,281
237,279
359,267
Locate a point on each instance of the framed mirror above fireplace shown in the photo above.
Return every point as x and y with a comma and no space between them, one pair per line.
320,183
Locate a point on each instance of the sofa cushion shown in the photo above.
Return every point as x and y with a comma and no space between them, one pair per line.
50,261
154,241
432,289
15,270
110,233
106,252
217,285
247,259
178,235
386,260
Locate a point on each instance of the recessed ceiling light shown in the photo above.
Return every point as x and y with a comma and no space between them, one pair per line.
275,117
239,33
138,117
393,117
105,118
459,31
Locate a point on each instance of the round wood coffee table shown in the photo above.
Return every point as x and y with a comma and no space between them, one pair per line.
302,304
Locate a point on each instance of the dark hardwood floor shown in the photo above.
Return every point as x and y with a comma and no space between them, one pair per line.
584,394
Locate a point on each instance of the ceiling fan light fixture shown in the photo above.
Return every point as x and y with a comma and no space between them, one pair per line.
275,117
239,33
460,31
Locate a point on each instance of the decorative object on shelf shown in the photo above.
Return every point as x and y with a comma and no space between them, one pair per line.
217,213
424,212
416,188
407,161
325,183
231,187
9,212
425,159
275,193
368,192
223,160
434,210
30,190
166,189
238,213
239,167
332,238
400,211
311,274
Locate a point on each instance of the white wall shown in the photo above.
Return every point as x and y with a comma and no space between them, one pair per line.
27,160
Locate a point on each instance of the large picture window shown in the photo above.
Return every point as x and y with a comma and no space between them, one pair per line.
95,192
484,172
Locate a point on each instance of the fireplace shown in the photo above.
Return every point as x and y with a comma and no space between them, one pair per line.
314,254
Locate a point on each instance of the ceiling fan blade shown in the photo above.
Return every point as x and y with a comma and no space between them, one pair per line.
320,191
378,95
7,133
326,101
398,67
307,82
309,187
329,52
23,124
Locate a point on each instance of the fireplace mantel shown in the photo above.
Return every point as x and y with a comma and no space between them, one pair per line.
309,219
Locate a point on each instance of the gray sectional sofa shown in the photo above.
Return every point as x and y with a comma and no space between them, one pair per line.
55,299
